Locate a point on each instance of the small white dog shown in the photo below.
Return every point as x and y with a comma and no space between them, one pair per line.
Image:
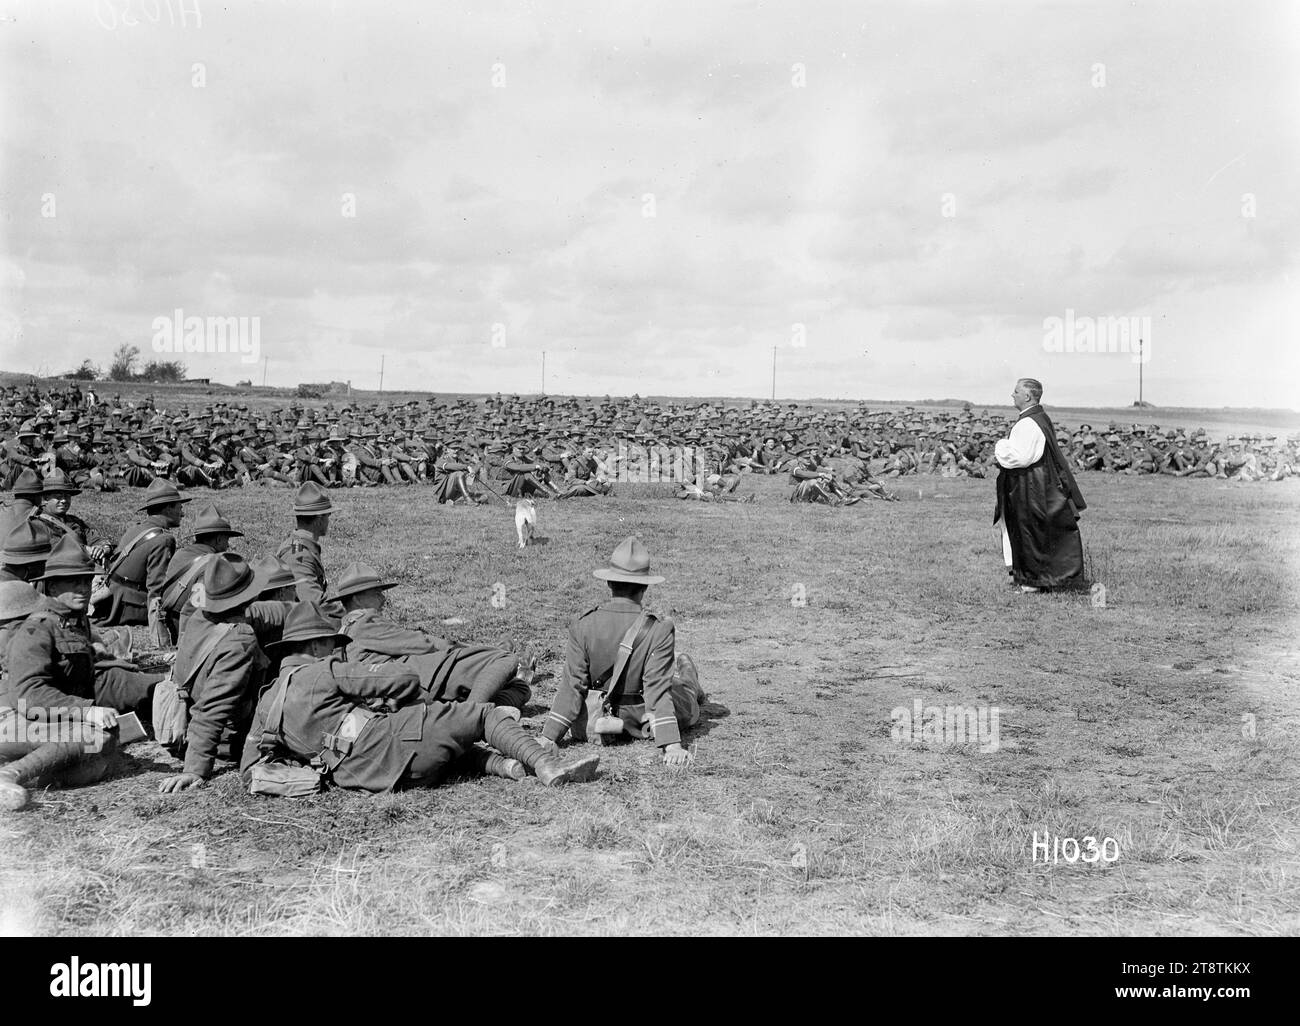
525,521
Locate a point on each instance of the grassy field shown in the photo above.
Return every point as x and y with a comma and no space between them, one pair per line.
1165,719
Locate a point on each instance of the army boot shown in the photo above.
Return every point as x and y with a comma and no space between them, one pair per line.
489,763
13,796
503,733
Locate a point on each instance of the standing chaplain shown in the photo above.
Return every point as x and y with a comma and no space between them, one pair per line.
1038,500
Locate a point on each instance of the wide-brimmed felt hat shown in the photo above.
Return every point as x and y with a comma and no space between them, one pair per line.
27,483
17,600
311,500
27,542
229,581
161,492
56,482
273,574
68,559
359,577
210,520
306,621
630,563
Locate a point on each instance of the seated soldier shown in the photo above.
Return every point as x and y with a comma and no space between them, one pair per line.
301,550
219,667
267,614
525,477
55,513
813,480
24,551
139,570
53,662
656,695
49,750
26,503
365,724
448,673
856,481
452,479
212,534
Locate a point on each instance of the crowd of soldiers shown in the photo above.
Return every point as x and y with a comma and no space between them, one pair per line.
484,450
374,706
378,705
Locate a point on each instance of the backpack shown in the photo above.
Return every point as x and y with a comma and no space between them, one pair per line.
171,700
279,772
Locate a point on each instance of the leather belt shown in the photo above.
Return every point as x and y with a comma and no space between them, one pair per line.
349,729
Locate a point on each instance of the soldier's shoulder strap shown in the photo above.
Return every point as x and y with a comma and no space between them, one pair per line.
175,594
586,612
145,533
631,638
54,522
273,731
352,618
205,651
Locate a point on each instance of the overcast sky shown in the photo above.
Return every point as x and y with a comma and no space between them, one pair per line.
919,185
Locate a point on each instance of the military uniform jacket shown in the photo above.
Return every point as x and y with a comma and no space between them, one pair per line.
365,457
145,567
222,688
806,470
646,699
73,459
139,456
7,631
301,553
179,565
15,513
321,693
51,661
377,639
448,673
59,526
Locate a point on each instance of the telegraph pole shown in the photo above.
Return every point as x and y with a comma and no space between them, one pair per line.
265,359
381,373
543,372
774,372
1139,372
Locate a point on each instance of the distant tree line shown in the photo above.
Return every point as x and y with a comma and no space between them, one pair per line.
123,368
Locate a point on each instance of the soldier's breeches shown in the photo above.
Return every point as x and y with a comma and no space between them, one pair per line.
496,683
449,730
70,762
686,694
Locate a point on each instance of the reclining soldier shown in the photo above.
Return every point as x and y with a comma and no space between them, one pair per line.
448,673
367,728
